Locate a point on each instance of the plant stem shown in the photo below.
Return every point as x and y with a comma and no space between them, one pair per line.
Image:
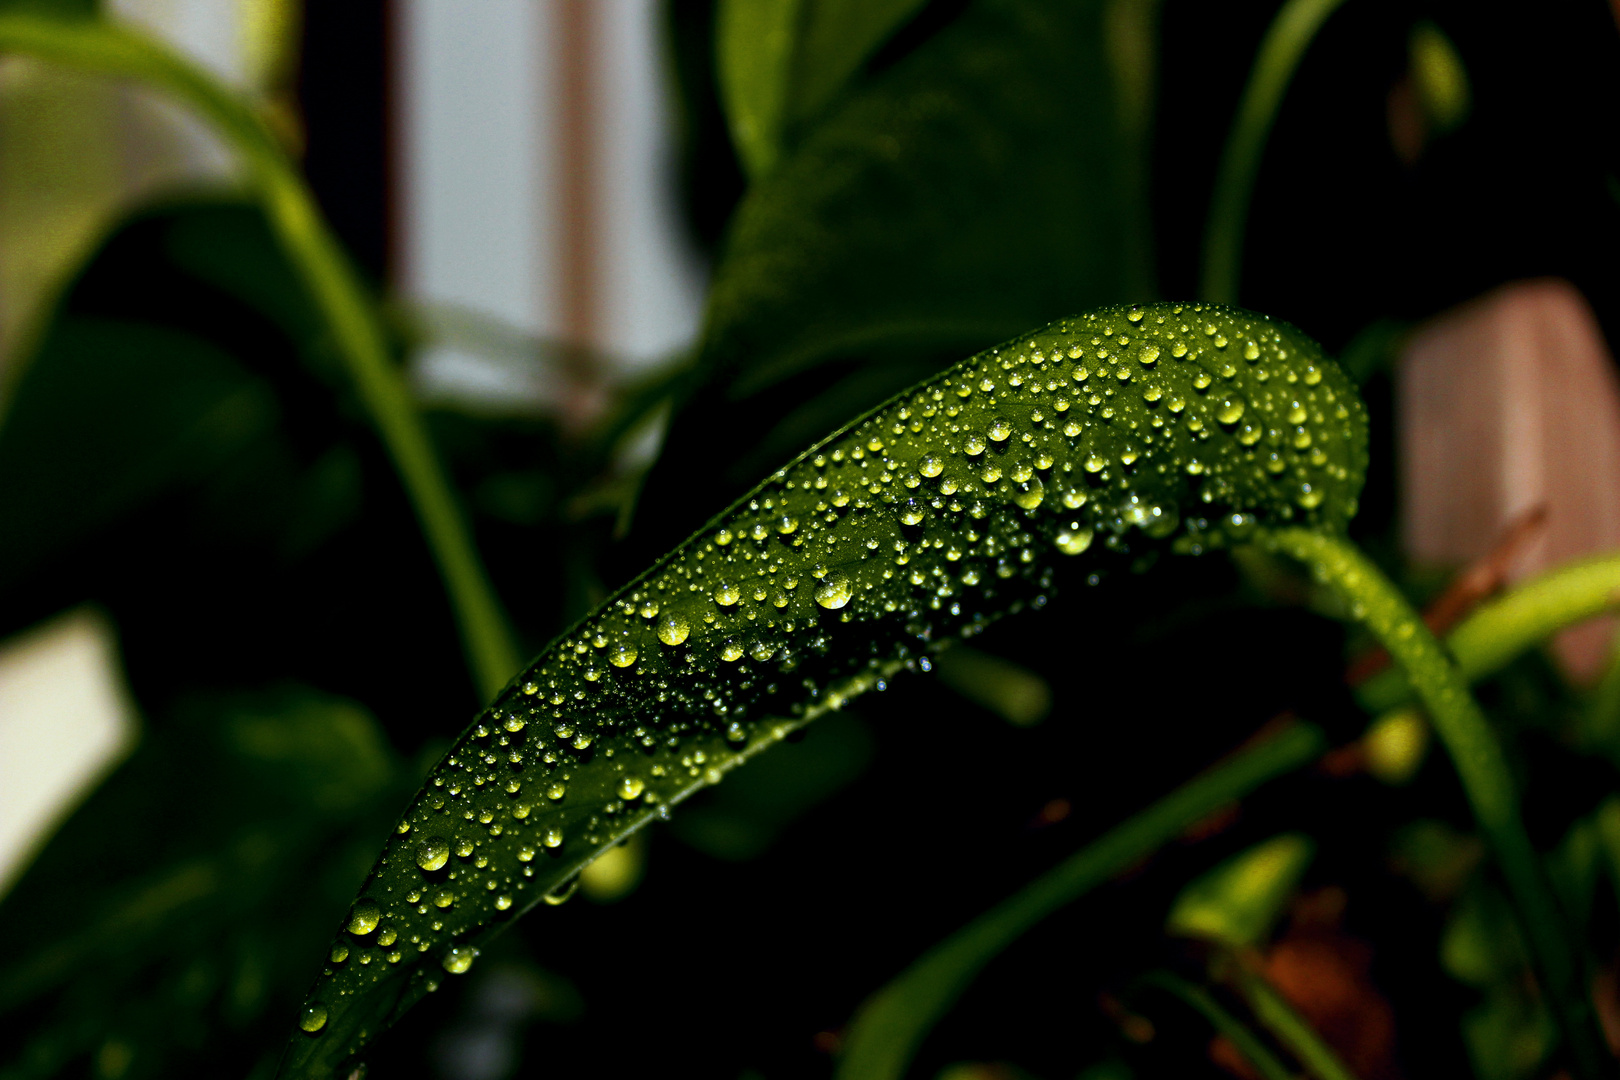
91,45
1279,1018
1481,766
1280,52
891,1025
1503,628
1247,1042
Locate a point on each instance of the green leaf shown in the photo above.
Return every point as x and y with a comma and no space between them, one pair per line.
1144,428
168,919
111,414
754,53
1237,903
978,186
781,61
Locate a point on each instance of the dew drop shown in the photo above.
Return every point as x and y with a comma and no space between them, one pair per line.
622,654
365,916
552,837
1073,539
1229,411
340,952
673,628
313,1018
931,466
1000,429
432,853
631,787
974,444
1030,494
834,590
727,594
459,959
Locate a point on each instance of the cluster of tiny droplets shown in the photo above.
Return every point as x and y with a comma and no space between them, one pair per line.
1183,425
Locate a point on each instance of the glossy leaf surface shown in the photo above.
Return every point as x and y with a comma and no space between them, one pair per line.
1127,429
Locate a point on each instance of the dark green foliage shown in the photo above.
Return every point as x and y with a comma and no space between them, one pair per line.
181,902
186,450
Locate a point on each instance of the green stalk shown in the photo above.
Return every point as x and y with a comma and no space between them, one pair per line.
1505,627
1481,766
90,45
887,1030
1291,1029
1247,1042
1280,52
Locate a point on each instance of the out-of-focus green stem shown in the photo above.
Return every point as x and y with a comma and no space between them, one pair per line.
1248,1044
92,45
1503,628
1291,1029
1284,45
1481,767
891,1025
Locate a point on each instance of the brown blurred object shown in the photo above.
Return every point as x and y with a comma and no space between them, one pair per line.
1322,972
1504,404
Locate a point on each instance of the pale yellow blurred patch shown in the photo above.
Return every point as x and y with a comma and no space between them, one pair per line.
1395,745
65,721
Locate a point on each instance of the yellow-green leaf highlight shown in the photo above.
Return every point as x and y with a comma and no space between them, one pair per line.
1114,433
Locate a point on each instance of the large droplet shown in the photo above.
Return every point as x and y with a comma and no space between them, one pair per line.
631,787
931,465
622,654
1073,539
1030,493
1000,429
727,594
313,1018
432,853
673,628
364,917
459,959
834,590
1230,411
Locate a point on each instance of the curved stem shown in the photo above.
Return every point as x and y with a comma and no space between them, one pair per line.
891,1025
1291,1029
1481,766
1280,52
1505,627
1247,1042
350,317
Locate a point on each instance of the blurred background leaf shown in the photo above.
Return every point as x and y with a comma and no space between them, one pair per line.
172,917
